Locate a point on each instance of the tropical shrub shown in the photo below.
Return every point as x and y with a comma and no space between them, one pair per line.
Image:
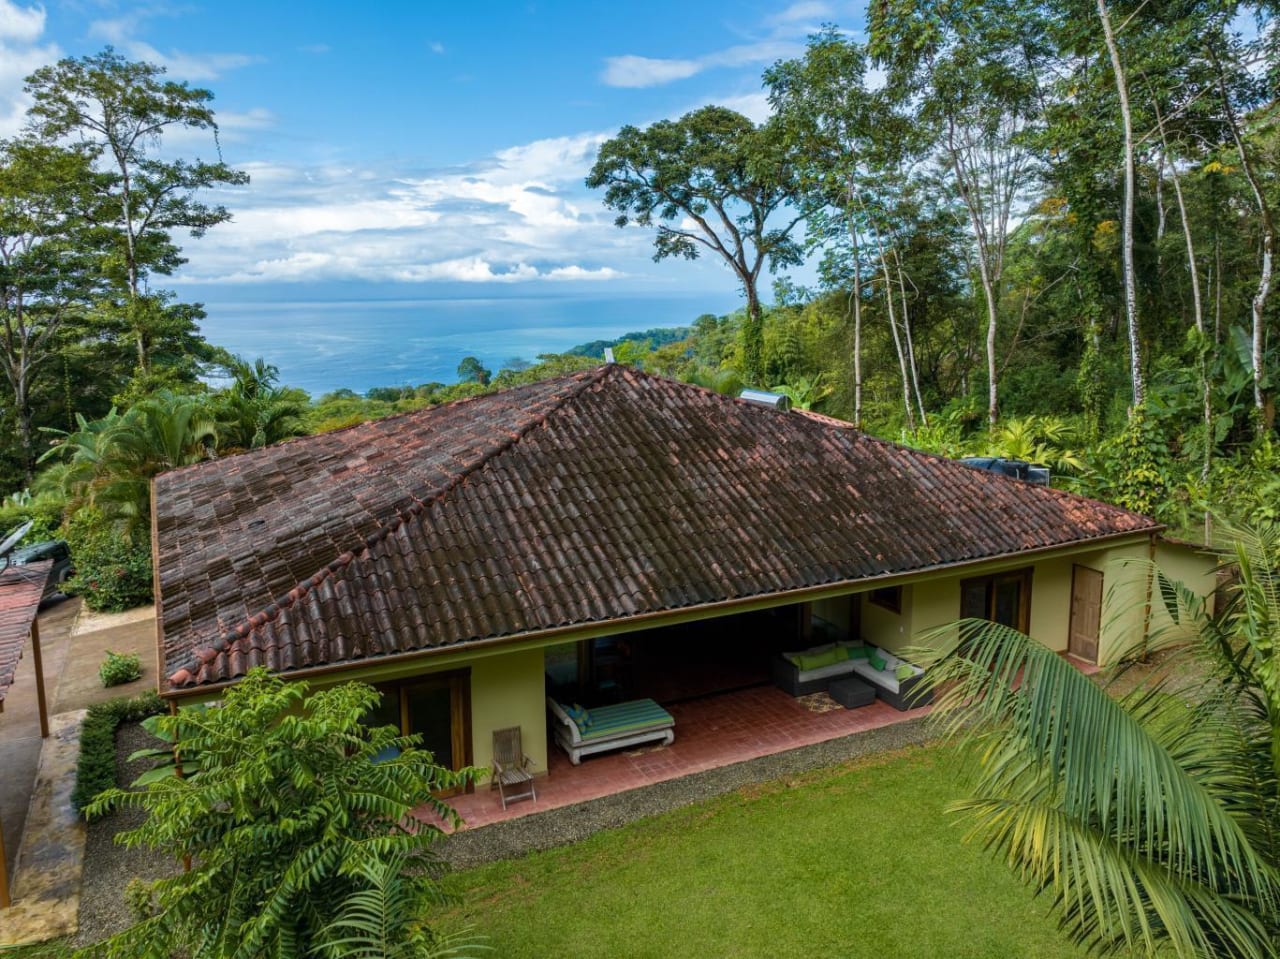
113,573
254,411
302,841
43,510
96,767
119,668
108,463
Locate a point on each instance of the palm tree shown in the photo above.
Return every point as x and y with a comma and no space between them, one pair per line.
84,453
109,463
803,392
253,411
1152,819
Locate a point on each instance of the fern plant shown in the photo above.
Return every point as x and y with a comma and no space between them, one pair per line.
302,840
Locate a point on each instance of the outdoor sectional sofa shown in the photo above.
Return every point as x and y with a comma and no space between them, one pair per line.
582,732
805,672
900,693
811,670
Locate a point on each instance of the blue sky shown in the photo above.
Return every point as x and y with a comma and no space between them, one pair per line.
426,149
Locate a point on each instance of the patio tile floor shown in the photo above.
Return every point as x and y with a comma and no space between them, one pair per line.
710,732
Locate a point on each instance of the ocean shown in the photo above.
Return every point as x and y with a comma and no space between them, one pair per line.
357,344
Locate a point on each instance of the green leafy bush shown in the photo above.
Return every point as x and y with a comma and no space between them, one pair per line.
96,769
113,571
120,668
43,510
305,829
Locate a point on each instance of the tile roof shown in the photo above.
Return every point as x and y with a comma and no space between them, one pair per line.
21,589
592,497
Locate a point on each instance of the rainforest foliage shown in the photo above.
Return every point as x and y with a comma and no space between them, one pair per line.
1043,230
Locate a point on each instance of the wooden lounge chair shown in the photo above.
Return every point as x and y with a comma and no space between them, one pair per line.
511,767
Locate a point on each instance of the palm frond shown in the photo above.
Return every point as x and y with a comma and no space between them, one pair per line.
1137,775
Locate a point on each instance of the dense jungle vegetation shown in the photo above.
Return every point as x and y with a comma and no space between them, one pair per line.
1041,230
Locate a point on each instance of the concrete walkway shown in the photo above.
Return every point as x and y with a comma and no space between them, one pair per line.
71,656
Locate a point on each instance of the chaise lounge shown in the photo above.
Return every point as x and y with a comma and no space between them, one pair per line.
581,732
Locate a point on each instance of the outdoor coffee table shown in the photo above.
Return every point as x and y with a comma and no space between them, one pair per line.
851,692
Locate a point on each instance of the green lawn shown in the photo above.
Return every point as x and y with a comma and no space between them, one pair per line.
859,860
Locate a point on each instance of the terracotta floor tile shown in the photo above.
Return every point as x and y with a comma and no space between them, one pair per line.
710,732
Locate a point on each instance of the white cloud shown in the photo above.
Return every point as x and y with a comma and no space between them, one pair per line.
784,38
521,216
746,54
436,47
198,67
804,11
21,52
23,24
754,106
578,273
633,71
316,48
257,118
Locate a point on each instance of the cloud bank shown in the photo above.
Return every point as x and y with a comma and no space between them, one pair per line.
521,216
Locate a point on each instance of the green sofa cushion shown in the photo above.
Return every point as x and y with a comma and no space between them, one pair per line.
829,657
876,660
904,672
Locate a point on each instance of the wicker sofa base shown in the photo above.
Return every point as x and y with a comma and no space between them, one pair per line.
792,681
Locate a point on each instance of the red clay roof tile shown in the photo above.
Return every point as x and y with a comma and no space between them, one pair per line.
586,498
21,589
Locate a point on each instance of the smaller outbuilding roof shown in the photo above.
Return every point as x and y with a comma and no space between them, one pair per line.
21,589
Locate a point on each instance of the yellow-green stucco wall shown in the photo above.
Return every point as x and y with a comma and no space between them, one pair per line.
509,690
931,602
506,689
507,684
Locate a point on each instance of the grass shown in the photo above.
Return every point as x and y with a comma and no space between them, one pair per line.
859,860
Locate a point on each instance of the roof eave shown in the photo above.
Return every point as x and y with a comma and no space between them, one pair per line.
682,614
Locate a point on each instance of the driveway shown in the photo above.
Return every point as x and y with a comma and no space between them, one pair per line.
73,647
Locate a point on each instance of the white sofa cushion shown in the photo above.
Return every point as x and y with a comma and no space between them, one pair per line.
883,678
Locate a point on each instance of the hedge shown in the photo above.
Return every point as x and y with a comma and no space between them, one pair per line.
96,769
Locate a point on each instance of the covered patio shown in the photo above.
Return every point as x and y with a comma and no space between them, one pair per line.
711,731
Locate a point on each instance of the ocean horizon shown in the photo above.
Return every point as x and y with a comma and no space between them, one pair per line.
325,345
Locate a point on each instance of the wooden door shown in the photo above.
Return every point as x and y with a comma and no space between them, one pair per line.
1086,613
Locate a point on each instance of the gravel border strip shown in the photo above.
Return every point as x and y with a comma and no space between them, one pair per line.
569,824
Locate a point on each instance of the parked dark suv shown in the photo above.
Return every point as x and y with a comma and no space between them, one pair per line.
54,549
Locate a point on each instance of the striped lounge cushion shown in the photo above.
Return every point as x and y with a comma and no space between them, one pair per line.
610,721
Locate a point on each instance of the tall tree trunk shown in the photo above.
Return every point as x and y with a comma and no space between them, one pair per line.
753,338
856,298
1264,278
988,271
1206,394
893,327
906,331
1130,275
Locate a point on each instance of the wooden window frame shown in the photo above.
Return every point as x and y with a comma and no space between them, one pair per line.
887,597
989,582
